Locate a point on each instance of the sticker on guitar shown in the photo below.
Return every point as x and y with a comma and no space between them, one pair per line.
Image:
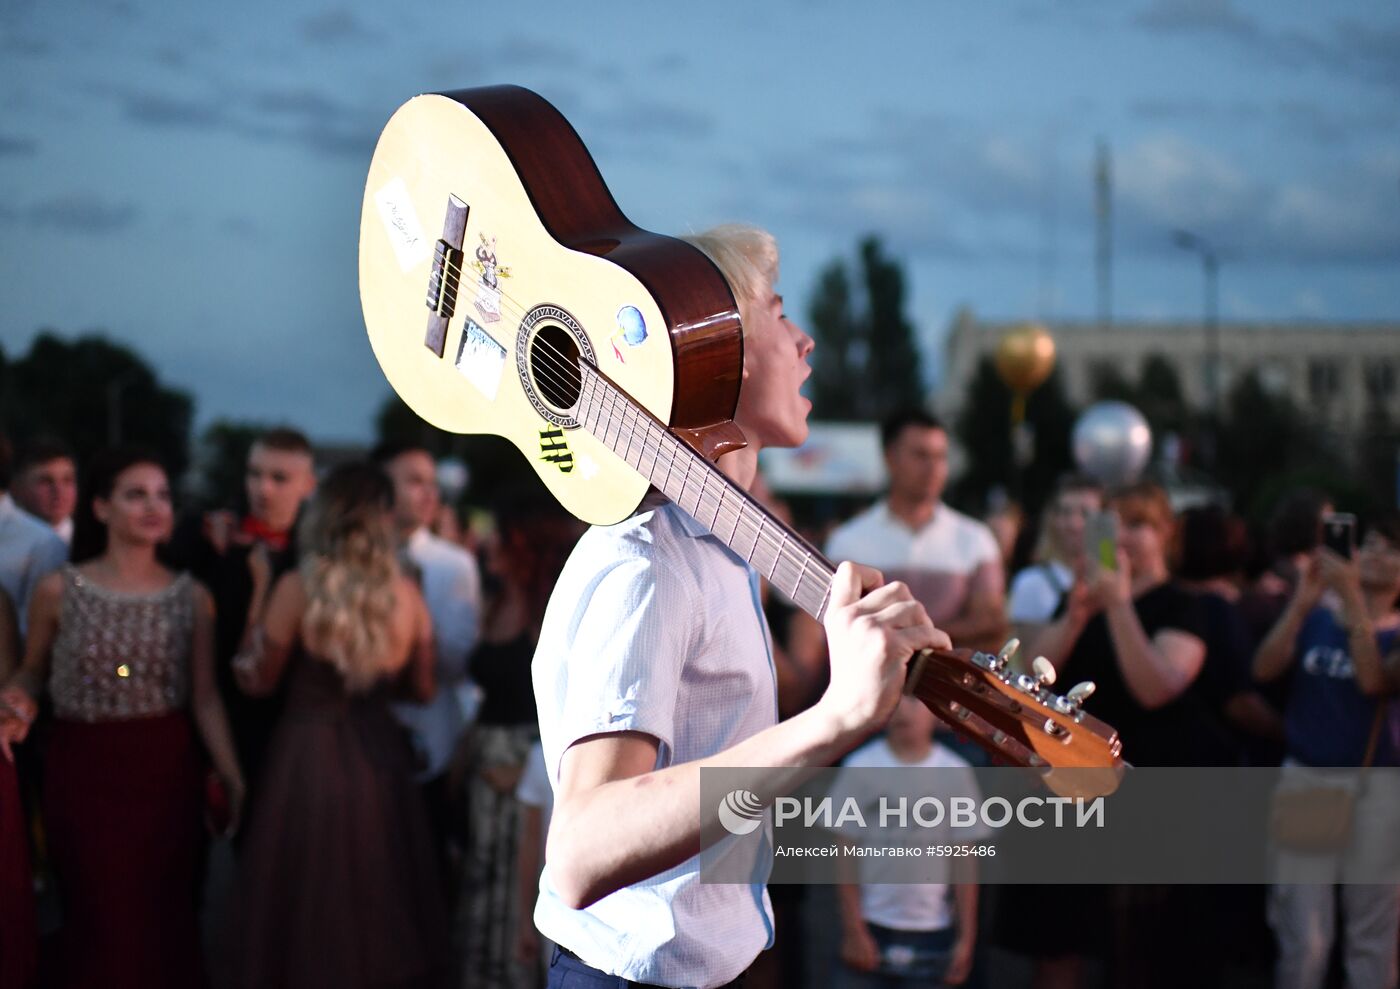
631,330
401,224
555,448
481,359
488,293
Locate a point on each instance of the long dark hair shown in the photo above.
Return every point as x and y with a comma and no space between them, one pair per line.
539,536
100,477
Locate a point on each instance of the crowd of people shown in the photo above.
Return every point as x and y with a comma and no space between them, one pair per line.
337,687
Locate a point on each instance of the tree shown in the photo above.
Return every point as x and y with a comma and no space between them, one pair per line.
494,463
94,393
1108,383
866,364
220,462
1160,397
834,361
983,428
894,370
1265,437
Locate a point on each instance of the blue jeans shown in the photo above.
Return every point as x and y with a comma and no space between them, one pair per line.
908,960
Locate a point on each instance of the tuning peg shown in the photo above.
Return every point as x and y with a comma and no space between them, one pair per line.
1007,652
1081,692
1044,671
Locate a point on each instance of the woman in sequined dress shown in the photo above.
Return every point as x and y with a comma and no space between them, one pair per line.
336,884
125,649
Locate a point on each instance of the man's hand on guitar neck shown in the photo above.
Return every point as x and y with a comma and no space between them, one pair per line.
873,628
618,820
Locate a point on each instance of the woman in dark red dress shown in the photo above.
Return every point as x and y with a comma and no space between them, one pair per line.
19,936
125,649
336,884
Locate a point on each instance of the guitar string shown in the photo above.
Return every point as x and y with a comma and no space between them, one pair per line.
656,439
771,535
563,373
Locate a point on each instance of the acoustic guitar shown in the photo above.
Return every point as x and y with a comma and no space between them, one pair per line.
504,292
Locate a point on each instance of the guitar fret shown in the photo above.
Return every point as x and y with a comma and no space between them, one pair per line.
626,453
778,556
802,572
719,506
656,444
738,517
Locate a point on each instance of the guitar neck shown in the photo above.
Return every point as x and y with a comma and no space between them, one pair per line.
730,513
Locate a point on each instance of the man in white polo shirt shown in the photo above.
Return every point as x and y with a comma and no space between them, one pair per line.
451,584
654,662
949,560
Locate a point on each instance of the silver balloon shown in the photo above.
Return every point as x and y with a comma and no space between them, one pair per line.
1112,442
452,478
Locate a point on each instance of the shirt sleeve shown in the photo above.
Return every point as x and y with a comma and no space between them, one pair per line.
457,619
626,654
49,554
1032,599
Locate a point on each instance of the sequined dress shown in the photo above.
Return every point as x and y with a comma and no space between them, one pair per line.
122,787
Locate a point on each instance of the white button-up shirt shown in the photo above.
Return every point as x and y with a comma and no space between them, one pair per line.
655,626
452,592
29,551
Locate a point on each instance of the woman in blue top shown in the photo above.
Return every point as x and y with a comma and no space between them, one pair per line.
1343,646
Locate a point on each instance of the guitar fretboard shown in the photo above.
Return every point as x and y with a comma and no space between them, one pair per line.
789,562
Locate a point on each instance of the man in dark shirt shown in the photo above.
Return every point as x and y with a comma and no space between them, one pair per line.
228,553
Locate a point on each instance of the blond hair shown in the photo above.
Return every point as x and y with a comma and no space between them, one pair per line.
746,256
349,568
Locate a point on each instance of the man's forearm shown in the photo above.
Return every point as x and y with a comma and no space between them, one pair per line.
624,831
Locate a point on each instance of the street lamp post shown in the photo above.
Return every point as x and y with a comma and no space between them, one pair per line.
1210,263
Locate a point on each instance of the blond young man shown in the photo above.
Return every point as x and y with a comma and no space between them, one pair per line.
654,663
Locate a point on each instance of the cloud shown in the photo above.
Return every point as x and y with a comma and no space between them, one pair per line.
18,146
645,119
296,114
82,213
1315,122
162,110
1189,16
1364,50
1348,214
335,26
521,52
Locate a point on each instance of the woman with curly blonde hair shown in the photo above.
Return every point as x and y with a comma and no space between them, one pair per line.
336,881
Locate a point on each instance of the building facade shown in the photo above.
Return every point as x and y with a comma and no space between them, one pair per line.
1338,371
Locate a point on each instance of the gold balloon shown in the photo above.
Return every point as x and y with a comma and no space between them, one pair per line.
1025,356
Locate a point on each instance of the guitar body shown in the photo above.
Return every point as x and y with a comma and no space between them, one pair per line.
492,255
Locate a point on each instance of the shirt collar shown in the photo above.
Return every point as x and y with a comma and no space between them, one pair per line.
890,518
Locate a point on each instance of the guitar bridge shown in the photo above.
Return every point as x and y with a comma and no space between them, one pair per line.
446,276
445,279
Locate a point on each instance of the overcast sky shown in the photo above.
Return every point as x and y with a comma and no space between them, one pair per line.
186,176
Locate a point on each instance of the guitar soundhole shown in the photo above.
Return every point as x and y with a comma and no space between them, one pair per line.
554,366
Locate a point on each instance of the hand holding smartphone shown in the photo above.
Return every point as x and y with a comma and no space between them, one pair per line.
1339,533
1101,540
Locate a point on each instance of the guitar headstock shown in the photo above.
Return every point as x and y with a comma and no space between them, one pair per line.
1019,718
